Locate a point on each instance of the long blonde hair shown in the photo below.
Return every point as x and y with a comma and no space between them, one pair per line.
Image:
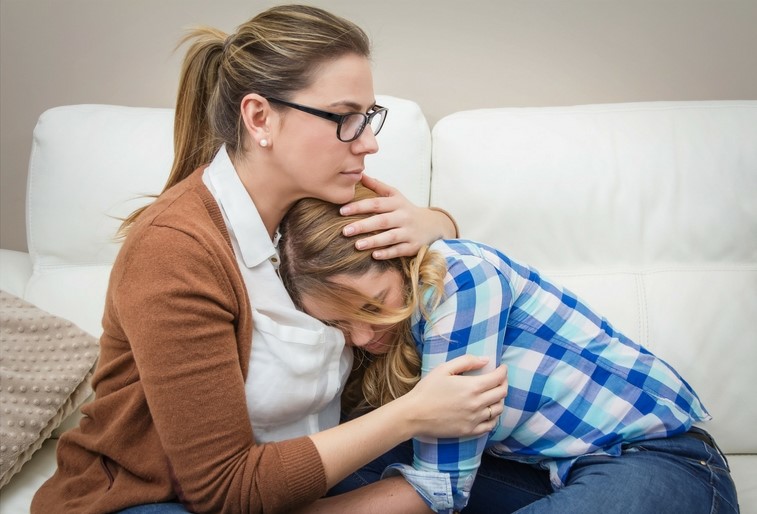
313,250
274,54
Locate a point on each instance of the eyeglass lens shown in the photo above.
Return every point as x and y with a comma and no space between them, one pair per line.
353,125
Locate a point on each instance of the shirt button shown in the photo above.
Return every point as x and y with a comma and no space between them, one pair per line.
274,260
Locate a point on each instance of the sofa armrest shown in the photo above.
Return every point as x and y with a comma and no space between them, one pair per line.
15,271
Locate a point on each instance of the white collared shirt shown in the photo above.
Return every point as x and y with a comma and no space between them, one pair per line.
298,365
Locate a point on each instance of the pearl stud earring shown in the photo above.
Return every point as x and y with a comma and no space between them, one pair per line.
263,143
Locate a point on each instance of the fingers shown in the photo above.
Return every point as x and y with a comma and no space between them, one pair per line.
497,408
398,250
500,374
460,365
367,206
397,227
376,186
387,245
375,223
495,386
389,198
390,235
490,419
389,222
468,362
386,238
459,405
491,398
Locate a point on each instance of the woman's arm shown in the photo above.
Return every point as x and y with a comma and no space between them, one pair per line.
388,496
405,227
443,404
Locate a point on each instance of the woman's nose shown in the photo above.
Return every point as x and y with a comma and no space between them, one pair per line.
361,334
366,143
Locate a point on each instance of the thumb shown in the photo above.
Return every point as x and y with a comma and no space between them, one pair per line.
460,365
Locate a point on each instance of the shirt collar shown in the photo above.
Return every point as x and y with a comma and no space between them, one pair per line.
245,223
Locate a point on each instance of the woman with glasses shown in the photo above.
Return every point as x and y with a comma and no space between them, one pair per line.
213,392
593,422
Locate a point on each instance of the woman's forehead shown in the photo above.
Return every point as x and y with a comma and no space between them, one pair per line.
345,82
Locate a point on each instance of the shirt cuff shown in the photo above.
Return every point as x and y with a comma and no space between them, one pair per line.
434,488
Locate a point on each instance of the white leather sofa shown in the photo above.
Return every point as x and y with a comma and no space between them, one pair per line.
648,211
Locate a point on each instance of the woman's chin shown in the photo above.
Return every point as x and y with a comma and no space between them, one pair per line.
340,194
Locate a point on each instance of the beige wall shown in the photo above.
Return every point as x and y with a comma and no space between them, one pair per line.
447,55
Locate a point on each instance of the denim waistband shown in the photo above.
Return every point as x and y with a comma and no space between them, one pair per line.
704,436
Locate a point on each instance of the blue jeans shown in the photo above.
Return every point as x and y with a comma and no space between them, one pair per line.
678,474
156,508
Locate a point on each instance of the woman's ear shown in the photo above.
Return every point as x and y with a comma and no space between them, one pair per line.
256,113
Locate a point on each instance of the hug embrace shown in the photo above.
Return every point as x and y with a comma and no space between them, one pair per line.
213,393
408,372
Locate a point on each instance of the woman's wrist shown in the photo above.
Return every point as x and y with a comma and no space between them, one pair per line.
450,230
402,415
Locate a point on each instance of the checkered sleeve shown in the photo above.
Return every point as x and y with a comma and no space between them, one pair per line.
471,319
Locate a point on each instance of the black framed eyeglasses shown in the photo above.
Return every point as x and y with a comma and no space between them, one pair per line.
348,126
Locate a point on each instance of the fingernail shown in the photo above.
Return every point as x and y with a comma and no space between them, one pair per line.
378,254
360,245
348,231
344,210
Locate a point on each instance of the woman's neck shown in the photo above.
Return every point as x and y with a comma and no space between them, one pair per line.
270,198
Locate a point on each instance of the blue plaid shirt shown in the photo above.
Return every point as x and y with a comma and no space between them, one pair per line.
576,385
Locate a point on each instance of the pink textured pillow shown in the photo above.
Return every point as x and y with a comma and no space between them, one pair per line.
46,364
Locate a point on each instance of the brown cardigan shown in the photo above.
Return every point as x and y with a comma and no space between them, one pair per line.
170,417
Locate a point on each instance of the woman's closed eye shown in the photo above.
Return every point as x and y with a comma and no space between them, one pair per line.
372,308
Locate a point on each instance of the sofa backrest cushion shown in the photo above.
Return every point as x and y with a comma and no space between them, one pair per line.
648,211
91,165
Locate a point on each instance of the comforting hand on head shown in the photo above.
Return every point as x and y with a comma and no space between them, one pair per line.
404,226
